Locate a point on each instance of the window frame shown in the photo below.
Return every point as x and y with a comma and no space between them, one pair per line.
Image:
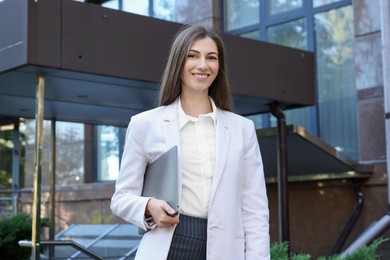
307,12
120,5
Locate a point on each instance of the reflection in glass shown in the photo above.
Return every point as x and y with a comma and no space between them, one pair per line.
317,3
299,116
112,4
257,120
69,152
164,9
255,35
107,152
240,13
6,148
140,7
292,34
336,79
279,6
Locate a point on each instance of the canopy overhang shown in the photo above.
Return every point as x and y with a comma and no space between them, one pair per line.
308,157
102,66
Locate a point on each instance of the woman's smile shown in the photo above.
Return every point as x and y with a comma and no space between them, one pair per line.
200,76
200,67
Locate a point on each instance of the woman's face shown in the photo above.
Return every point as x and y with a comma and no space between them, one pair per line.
200,67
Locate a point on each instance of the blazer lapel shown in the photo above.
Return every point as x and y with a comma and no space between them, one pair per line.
223,142
170,125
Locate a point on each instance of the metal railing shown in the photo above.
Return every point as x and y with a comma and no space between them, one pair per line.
9,199
51,243
6,207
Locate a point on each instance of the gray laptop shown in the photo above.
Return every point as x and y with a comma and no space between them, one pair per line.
160,180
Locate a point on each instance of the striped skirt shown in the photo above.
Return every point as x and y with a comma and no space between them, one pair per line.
189,239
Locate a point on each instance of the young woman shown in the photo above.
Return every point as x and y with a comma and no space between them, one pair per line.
223,203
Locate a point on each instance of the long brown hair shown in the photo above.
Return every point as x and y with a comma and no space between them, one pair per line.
170,89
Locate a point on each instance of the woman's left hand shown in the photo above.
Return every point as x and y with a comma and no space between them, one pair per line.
163,214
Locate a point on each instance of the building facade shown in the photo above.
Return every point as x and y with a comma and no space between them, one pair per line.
347,39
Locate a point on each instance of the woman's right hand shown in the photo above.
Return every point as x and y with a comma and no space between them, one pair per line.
160,211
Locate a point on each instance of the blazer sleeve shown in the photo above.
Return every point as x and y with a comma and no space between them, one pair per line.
254,200
127,202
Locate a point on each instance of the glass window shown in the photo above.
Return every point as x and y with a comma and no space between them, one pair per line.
299,116
291,34
255,35
240,13
279,6
257,120
107,153
69,152
336,79
6,147
164,9
28,130
317,3
140,7
113,4
334,118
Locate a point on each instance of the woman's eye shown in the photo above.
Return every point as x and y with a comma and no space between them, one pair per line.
212,58
192,56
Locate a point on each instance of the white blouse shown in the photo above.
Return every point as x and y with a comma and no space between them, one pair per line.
198,152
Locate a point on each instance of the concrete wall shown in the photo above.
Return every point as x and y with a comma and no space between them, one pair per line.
370,93
369,81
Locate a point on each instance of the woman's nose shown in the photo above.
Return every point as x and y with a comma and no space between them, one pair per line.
202,63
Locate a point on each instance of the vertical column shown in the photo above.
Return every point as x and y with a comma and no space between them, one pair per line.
36,225
283,203
383,224
369,83
385,35
15,168
52,188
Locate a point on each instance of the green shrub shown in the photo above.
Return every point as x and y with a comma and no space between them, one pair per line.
279,251
301,257
367,252
13,230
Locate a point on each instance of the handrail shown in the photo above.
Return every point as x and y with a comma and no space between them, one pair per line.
96,240
129,253
17,191
350,224
27,243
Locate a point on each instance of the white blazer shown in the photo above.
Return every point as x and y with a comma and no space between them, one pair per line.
238,217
